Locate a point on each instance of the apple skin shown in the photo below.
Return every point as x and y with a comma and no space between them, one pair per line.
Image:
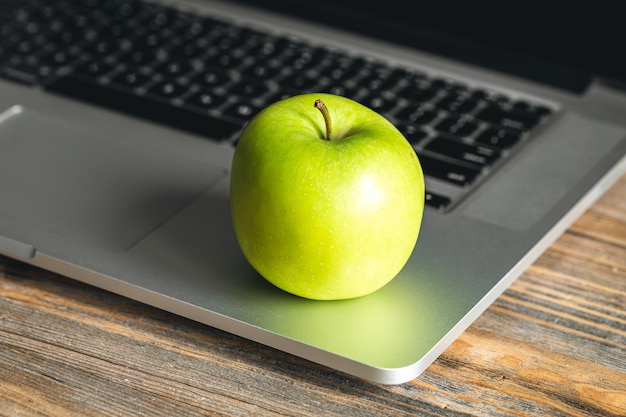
325,219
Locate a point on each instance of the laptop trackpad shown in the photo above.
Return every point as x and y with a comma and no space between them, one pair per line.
102,191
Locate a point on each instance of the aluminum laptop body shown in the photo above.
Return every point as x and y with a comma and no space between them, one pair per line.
142,209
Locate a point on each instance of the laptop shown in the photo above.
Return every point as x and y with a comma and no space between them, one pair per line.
119,119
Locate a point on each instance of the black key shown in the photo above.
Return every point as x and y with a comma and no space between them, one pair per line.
378,103
198,123
249,89
276,96
342,89
458,126
398,74
22,73
56,59
299,82
261,71
228,41
212,77
225,61
167,89
266,49
418,93
457,104
501,138
138,57
379,81
162,19
465,152
95,68
205,100
24,48
194,30
131,79
211,24
490,96
243,110
417,115
66,37
101,47
413,133
185,51
299,63
508,118
452,173
408,74
436,201
338,74
536,109
449,85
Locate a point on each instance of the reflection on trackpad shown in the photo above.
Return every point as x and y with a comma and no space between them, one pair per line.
103,192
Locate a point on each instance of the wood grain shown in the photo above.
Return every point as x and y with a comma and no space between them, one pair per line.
554,344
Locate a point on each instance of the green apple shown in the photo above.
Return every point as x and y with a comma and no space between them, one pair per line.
327,197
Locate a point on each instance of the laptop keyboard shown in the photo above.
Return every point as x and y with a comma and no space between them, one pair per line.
209,77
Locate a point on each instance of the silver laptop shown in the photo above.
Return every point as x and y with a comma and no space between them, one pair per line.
118,121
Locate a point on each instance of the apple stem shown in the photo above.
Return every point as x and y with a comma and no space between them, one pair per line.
319,104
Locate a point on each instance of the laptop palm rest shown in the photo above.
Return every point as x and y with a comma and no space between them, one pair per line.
104,191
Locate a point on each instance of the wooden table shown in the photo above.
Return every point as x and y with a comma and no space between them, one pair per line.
553,344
